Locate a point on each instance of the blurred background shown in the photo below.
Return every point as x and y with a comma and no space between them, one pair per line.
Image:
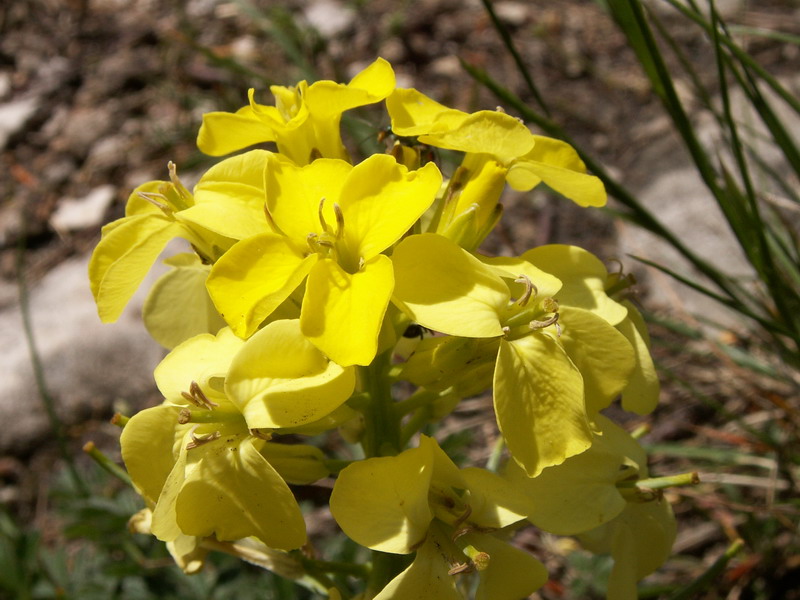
688,111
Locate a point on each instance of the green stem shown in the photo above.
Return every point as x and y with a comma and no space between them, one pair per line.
417,400
415,423
381,438
105,462
382,431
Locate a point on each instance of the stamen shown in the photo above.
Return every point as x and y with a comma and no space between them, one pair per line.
463,517
151,198
314,155
530,289
312,241
546,323
322,222
506,330
198,398
361,263
461,568
199,441
176,182
337,210
262,435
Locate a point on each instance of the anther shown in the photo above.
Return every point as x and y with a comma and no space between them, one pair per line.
262,435
530,289
337,210
176,182
198,398
461,568
199,441
553,320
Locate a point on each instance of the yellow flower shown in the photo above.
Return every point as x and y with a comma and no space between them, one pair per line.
555,364
304,121
226,206
494,136
420,501
206,469
331,222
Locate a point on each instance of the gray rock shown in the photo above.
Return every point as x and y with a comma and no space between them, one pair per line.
74,214
88,365
15,115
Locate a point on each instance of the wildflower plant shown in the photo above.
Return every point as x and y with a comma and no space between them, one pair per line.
298,311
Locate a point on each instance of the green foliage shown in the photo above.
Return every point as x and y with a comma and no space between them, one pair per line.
94,556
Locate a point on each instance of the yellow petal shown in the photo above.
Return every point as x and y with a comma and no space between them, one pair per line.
342,313
123,257
413,113
232,492
279,379
640,540
584,190
328,99
511,574
222,132
641,394
427,578
298,464
548,151
382,503
254,277
148,443
538,400
229,198
583,276
178,306
137,204
294,194
487,132
381,201
199,359
602,354
495,502
443,287
580,493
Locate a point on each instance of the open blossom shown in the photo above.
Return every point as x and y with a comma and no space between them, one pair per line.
330,221
304,121
556,365
419,501
524,158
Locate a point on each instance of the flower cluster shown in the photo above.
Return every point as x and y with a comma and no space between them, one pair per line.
298,311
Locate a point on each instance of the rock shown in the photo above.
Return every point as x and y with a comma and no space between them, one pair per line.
513,13
87,365
15,115
329,18
74,214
